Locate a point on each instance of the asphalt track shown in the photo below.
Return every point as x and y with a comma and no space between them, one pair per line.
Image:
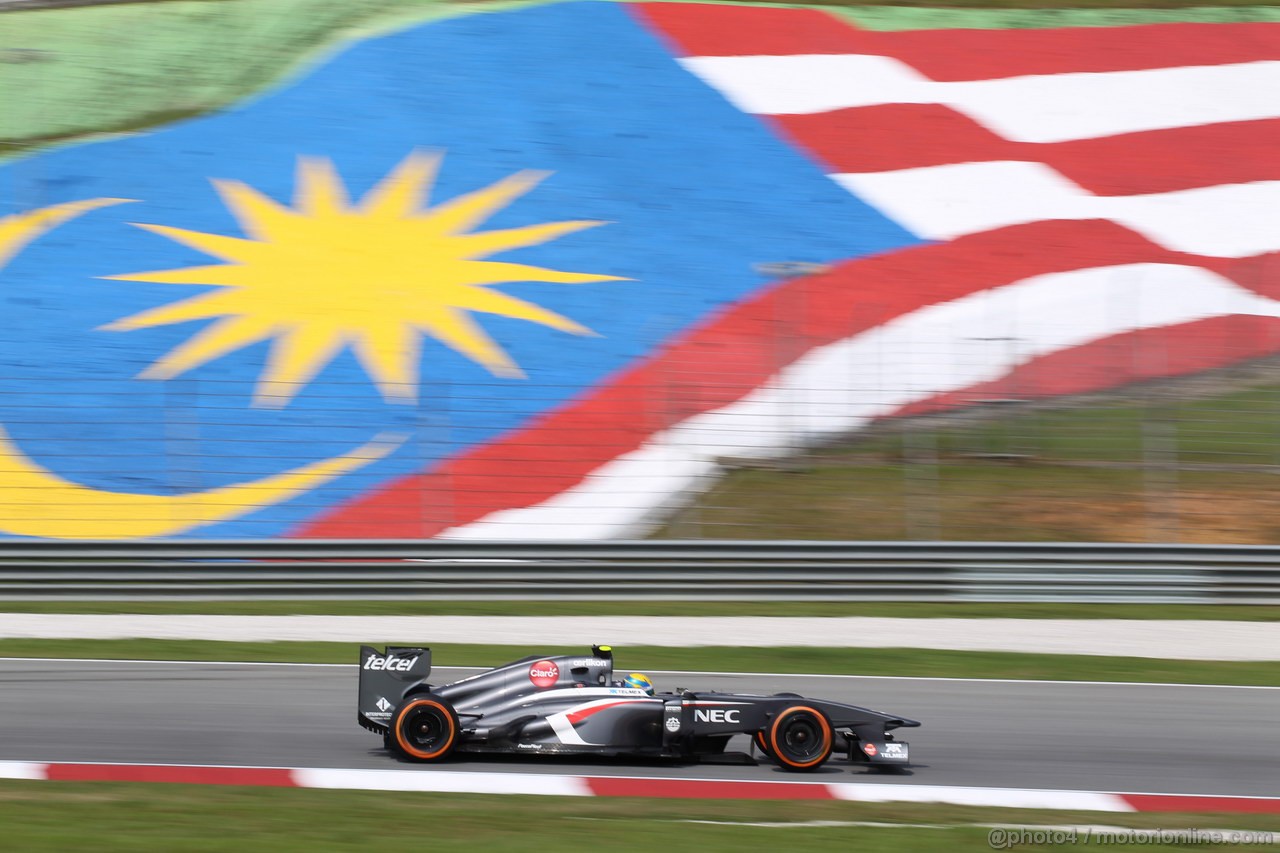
1142,738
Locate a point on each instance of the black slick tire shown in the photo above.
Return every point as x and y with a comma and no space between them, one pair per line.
424,728
800,738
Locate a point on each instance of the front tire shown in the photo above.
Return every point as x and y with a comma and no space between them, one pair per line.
424,728
800,738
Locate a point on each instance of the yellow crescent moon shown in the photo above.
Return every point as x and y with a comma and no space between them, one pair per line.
36,502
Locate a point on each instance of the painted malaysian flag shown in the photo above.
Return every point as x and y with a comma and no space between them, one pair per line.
513,274
1100,209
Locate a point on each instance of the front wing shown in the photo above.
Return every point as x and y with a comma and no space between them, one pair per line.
863,733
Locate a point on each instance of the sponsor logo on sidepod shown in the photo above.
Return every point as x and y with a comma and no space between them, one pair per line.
715,715
672,724
544,673
389,664
869,749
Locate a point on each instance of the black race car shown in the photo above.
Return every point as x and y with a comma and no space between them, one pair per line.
572,705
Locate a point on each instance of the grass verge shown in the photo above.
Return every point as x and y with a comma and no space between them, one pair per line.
77,72
911,610
43,816
919,663
1079,471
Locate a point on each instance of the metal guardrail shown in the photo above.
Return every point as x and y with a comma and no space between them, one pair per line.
705,570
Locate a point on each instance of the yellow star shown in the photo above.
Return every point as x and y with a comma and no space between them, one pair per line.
326,274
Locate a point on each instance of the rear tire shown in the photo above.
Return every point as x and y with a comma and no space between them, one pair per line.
424,728
800,738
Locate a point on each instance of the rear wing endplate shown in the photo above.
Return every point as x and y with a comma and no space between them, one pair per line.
384,679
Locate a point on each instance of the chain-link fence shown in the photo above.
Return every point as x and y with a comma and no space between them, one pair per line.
1190,458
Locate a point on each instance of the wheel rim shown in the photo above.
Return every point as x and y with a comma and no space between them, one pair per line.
425,729
803,739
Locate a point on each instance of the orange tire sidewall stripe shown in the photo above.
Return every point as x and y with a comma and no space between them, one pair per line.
426,756
826,729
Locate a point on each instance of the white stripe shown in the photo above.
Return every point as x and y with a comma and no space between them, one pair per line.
836,388
1080,829
1016,798
943,202
23,770
453,782
1034,108
565,731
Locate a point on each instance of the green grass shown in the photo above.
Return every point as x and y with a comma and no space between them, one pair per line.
124,68
901,609
1082,473
60,816
920,663
984,501
1241,427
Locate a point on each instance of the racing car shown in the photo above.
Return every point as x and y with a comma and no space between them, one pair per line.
572,705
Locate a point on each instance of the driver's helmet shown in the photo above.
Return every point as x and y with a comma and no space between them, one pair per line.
639,681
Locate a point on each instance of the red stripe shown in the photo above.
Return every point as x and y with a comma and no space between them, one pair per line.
1188,803
747,344
260,776
693,29
908,136
576,717
699,789
986,54
719,30
1136,356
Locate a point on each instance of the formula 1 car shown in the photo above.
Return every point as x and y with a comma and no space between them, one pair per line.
571,705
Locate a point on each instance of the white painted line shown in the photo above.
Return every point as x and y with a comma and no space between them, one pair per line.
991,797
1082,829
455,782
811,824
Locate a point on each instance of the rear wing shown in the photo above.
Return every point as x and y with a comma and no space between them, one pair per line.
384,679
